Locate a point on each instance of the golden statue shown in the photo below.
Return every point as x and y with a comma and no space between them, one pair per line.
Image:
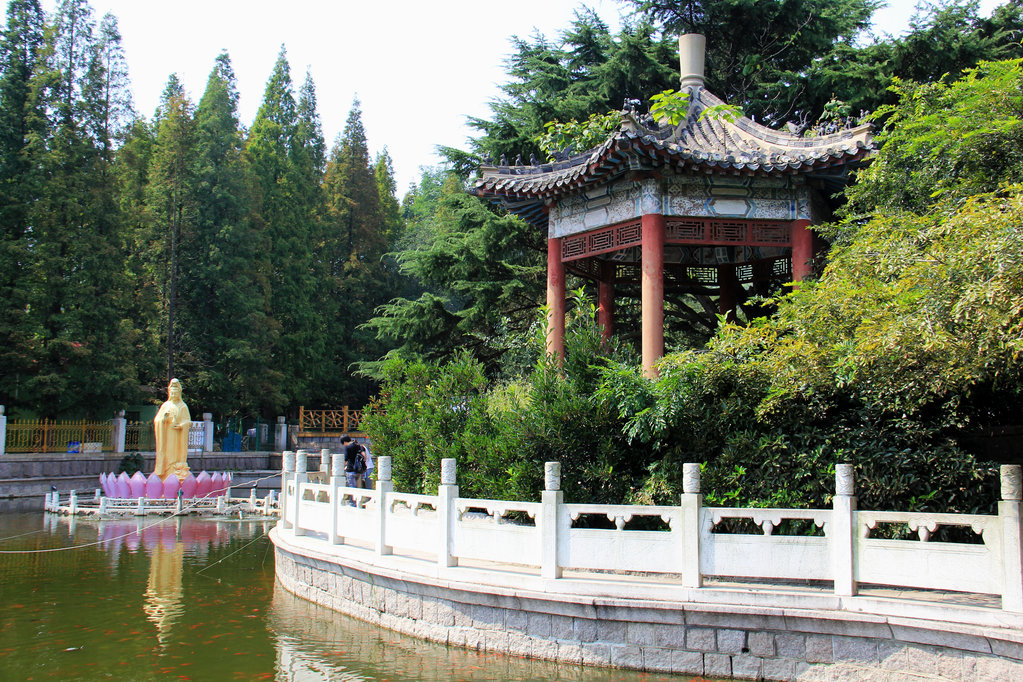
172,425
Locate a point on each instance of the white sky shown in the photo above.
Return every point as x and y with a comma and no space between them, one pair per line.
418,67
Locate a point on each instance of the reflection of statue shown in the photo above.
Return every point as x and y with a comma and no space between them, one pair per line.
163,604
172,424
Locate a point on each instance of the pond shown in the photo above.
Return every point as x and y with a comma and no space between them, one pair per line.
189,599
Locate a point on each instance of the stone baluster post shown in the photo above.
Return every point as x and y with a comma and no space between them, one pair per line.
337,481
692,503
1012,545
281,435
551,500
447,494
325,463
120,431
301,476
842,531
207,432
287,476
384,486
3,430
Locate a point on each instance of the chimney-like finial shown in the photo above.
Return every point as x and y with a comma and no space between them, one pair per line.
692,49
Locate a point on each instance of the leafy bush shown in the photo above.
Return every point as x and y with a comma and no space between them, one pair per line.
130,463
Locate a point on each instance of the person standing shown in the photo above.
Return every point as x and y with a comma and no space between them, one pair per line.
355,462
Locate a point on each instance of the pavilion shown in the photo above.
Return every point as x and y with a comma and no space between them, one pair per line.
710,205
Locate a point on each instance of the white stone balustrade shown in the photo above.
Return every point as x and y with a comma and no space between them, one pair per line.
841,545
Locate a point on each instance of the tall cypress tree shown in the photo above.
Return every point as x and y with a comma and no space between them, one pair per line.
21,43
287,218
84,359
355,242
224,293
171,198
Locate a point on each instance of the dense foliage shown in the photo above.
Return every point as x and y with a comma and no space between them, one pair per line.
910,340
133,249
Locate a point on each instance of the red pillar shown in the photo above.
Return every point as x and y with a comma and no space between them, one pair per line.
802,250
555,300
652,289
606,298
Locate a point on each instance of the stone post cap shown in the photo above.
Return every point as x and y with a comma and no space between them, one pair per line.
207,416
289,461
552,476
280,420
383,463
337,464
120,413
301,461
691,478
845,482
1012,485
448,471
1,410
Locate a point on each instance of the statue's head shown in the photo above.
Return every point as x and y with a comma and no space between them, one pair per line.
174,389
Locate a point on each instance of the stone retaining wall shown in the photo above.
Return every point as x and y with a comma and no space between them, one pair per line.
716,640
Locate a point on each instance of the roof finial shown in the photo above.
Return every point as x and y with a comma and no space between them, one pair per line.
692,51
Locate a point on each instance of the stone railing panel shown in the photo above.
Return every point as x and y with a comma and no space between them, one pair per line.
921,561
766,554
496,530
621,548
411,522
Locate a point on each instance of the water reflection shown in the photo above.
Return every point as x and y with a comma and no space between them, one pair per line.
145,599
317,644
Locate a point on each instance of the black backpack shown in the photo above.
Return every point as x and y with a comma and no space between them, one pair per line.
359,461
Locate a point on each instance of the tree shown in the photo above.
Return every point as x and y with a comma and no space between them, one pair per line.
287,222
354,244
755,47
224,293
84,353
172,198
21,44
482,278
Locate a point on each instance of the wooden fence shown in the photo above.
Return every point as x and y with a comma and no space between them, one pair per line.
328,422
45,435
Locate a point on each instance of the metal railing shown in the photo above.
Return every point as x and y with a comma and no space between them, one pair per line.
45,435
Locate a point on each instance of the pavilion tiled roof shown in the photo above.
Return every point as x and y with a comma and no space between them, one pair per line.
708,144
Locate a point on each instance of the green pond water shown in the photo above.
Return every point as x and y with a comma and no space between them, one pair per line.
188,599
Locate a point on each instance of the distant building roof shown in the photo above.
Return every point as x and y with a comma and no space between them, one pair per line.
700,144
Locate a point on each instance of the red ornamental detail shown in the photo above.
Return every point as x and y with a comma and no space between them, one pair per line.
702,231
713,232
604,240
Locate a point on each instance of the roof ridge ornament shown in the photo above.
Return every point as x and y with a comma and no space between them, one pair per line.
692,53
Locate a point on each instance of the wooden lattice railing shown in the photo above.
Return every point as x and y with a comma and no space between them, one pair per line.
328,422
45,435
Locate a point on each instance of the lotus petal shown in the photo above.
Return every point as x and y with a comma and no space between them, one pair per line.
171,487
203,485
138,485
188,485
123,486
154,487
217,485
104,482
